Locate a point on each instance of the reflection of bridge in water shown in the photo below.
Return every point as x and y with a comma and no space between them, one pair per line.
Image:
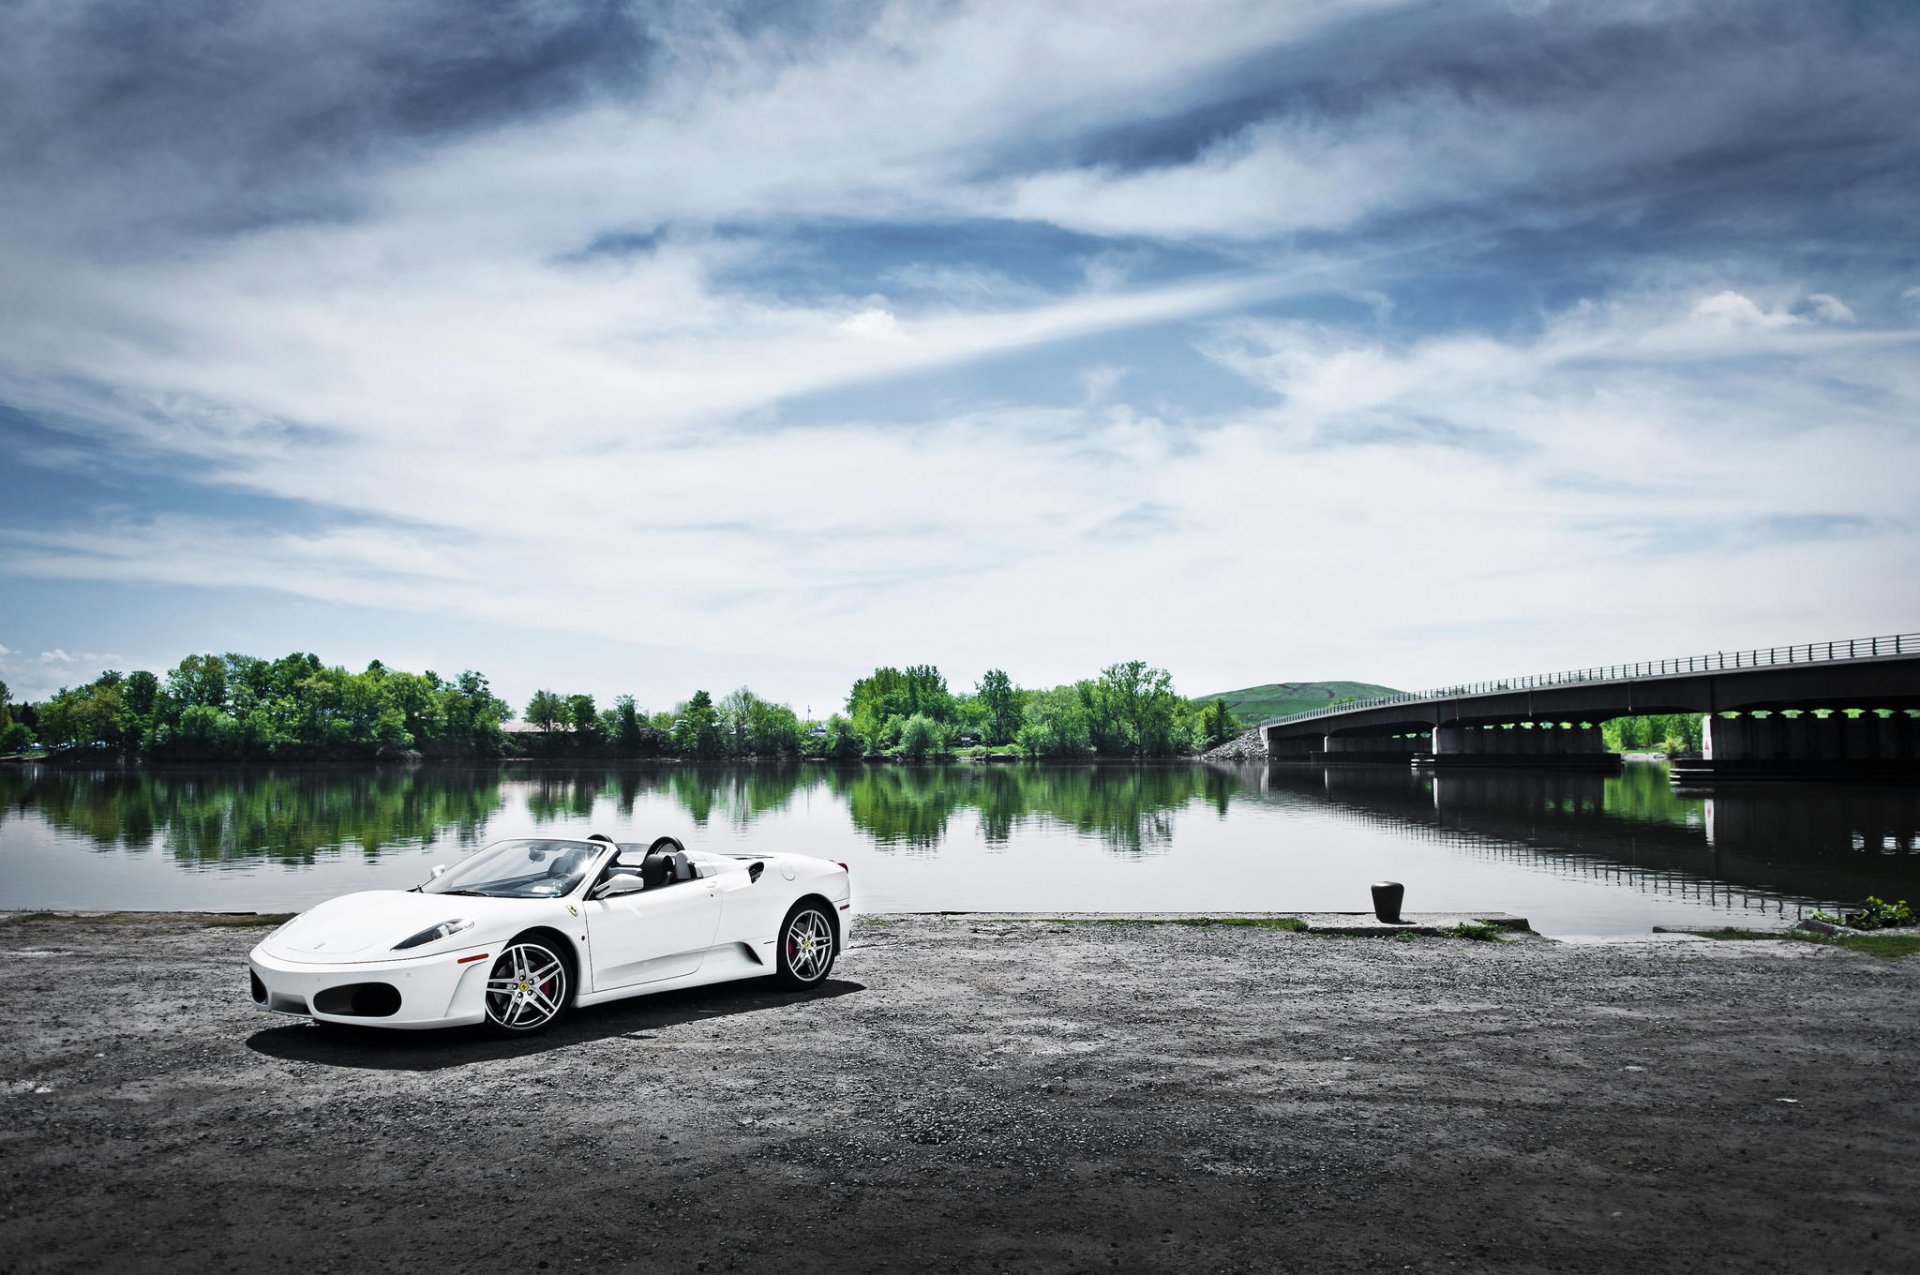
1762,848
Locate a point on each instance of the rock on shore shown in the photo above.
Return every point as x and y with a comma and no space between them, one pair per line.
1251,746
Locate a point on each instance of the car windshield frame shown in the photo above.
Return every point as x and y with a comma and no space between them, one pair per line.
522,868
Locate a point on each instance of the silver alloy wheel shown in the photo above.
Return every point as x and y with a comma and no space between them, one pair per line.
526,988
809,944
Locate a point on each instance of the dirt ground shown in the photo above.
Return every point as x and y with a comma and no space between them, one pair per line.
982,1094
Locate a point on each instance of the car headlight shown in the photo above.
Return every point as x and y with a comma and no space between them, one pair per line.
444,930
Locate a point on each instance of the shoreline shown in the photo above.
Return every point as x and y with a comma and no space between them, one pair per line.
66,765
986,1093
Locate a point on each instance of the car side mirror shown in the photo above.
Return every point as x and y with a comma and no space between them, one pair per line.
613,886
439,870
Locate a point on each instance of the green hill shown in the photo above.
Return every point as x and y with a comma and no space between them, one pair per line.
1277,699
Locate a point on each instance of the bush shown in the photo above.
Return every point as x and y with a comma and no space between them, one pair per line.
1872,914
920,735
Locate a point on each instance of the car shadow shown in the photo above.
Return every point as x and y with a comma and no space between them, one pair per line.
377,1049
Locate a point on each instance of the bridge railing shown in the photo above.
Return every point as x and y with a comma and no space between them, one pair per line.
1805,653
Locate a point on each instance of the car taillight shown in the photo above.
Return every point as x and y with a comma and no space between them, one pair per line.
844,868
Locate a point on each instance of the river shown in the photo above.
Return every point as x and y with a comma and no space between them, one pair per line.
1578,854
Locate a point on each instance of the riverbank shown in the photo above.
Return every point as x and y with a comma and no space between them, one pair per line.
982,1093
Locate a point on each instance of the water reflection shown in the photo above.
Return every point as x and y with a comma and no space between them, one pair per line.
1129,809
1021,837
1770,842
207,817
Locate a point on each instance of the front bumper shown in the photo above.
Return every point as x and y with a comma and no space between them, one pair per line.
433,991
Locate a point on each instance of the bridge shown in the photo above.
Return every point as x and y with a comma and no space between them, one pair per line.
1844,708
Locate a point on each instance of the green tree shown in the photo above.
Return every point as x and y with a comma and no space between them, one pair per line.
1054,723
773,730
1218,724
1134,712
1000,702
583,719
626,727
880,703
920,735
697,731
199,679
546,710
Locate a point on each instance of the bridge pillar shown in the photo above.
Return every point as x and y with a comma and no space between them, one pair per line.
1805,747
1291,747
1397,749
1521,744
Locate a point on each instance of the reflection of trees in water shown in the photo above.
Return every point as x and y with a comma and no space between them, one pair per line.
1130,808
290,815
739,794
906,806
285,815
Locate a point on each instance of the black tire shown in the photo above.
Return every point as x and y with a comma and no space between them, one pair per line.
807,945
529,986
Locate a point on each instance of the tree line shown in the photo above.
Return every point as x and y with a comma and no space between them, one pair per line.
239,707
1129,710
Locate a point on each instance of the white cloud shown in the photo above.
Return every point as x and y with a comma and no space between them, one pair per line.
1829,309
1432,146
1735,310
34,678
1097,383
872,324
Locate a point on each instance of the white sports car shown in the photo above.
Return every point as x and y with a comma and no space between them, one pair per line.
518,932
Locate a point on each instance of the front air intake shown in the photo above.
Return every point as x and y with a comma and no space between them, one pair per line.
259,988
359,1000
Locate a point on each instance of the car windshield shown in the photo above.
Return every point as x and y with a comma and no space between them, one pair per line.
518,870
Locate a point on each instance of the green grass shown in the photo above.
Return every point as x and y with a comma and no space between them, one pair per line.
248,920
1478,931
1889,947
1289,924
1252,704
211,921
1886,946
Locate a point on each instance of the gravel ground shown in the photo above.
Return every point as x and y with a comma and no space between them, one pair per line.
983,1094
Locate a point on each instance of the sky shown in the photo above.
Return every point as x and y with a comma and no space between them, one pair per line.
622,347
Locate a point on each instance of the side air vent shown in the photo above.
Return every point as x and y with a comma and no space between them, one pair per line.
754,870
359,1000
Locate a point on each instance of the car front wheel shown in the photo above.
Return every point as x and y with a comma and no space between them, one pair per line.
807,946
527,989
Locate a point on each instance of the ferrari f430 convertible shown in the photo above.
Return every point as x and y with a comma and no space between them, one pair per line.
519,932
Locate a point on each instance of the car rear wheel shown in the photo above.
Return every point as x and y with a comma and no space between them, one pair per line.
528,987
807,945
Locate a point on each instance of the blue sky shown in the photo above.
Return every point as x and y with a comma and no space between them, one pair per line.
624,347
